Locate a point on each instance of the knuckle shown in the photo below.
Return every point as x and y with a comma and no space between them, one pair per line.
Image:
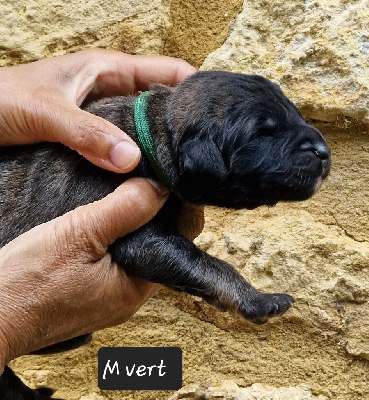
139,201
92,54
84,234
90,135
137,198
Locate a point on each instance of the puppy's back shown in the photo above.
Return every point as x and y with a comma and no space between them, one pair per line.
43,181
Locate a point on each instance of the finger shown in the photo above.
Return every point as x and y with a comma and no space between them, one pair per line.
111,73
101,142
134,73
130,206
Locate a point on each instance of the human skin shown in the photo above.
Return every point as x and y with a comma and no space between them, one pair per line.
40,101
58,281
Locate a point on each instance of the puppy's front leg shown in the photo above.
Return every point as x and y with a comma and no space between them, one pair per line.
177,263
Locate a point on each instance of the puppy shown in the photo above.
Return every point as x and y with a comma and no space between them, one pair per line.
219,138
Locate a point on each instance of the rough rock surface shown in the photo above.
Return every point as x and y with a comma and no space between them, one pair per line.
231,391
31,30
317,251
317,50
36,29
198,27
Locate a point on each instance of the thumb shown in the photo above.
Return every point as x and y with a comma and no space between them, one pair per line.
96,139
130,206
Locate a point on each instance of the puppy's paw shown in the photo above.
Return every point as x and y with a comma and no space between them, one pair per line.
265,306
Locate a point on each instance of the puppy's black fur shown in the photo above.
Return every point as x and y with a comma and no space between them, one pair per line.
224,139
12,388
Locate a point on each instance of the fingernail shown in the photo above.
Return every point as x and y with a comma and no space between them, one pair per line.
124,154
159,187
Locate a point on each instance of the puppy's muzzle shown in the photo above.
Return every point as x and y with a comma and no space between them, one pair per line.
322,151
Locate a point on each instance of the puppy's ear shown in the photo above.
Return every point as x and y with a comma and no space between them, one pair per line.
200,157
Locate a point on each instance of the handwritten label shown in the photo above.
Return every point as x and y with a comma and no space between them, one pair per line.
140,368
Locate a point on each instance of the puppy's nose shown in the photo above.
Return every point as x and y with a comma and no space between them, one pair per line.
319,149
322,151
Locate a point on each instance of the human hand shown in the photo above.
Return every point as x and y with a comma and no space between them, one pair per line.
58,281
40,101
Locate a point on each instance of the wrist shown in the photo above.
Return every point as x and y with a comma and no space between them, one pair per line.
15,319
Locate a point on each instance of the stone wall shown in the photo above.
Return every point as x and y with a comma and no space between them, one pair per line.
316,250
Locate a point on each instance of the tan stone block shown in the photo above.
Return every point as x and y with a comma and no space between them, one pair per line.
318,51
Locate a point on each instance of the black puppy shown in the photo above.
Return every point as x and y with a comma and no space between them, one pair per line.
224,139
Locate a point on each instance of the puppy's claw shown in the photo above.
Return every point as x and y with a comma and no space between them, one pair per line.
274,310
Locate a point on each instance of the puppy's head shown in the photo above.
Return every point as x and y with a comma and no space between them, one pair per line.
241,143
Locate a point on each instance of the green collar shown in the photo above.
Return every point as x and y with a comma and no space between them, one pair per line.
145,138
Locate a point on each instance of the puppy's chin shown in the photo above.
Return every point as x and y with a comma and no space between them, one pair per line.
243,203
269,194
301,194
277,195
